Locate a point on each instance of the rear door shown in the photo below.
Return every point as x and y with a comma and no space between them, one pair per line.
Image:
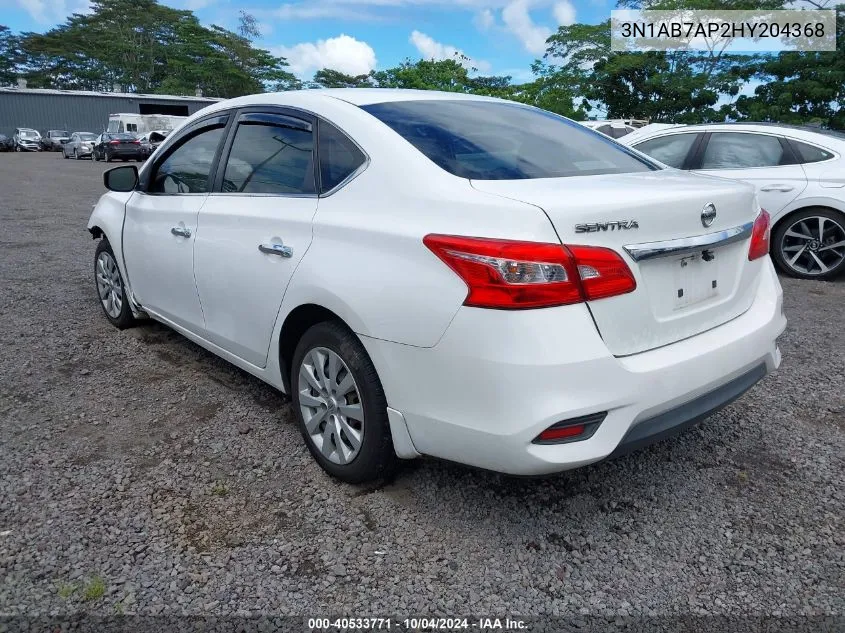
161,224
763,160
255,228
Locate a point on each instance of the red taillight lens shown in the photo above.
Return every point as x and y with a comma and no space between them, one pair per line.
114,142
602,271
759,237
511,275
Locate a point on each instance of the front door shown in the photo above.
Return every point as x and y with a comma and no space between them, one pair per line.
161,226
254,229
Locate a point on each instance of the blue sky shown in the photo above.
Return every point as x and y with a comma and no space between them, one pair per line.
356,36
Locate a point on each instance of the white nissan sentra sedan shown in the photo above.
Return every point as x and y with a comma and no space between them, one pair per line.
436,274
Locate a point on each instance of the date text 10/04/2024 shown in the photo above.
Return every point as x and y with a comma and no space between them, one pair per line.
414,624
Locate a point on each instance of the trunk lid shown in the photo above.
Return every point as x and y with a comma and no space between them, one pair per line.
678,295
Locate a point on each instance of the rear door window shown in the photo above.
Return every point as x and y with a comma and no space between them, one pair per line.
339,156
735,150
271,154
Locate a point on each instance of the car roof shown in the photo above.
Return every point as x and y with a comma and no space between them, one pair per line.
800,132
355,96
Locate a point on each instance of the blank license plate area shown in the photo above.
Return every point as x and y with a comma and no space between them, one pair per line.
696,279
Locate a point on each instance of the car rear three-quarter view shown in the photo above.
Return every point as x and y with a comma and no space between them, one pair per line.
435,274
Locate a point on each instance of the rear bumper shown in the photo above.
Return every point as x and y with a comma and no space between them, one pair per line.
497,379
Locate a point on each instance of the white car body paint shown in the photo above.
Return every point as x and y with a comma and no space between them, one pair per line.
469,384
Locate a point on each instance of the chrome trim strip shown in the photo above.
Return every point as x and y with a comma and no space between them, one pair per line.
668,248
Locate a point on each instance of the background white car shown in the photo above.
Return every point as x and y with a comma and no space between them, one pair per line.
799,174
441,274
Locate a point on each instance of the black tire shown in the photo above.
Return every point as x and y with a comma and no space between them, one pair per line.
18,148
124,319
834,232
94,155
107,156
376,458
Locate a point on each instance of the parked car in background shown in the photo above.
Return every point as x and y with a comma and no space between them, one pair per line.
80,145
613,129
54,140
6,144
799,174
151,140
27,140
442,274
109,147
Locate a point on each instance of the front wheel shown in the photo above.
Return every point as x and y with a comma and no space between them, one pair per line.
110,288
810,244
340,405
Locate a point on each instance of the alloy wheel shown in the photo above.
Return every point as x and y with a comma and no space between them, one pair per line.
814,245
331,406
109,285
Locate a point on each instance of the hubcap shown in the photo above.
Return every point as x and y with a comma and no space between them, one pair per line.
814,246
331,405
108,285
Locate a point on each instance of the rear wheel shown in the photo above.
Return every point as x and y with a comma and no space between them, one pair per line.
810,244
340,405
107,156
110,288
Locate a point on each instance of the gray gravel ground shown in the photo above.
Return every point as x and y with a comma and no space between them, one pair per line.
128,484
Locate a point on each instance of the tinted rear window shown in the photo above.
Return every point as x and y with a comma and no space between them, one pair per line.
122,137
486,140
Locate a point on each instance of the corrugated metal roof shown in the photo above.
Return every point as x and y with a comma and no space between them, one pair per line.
111,95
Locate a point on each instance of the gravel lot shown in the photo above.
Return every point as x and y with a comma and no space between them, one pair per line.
141,474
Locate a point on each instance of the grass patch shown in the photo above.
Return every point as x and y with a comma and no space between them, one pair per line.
66,590
220,489
95,589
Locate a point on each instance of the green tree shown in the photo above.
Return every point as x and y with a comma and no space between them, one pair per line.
143,46
800,87
329,78
9,56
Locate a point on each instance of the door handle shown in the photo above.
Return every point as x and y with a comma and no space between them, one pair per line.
781,188
181,231
276,249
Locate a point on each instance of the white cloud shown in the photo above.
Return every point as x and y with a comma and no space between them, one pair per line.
429,48
564,13
518,21
342,53
484,20
52,11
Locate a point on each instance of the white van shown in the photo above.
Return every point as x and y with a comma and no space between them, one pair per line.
142,123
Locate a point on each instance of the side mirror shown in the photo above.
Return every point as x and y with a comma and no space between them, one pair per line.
123,178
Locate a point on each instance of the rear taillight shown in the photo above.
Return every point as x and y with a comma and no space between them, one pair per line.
114,142
759,237
511,275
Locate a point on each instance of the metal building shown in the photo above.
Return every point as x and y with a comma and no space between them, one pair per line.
82,111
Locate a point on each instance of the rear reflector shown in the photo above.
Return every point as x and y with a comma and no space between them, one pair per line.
511,275
759,237
572,430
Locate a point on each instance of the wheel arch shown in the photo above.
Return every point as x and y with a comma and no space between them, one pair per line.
296,323
806,206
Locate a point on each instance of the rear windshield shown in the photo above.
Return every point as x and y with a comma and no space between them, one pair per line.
485,140
122,137
28,134
87,136
59,133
